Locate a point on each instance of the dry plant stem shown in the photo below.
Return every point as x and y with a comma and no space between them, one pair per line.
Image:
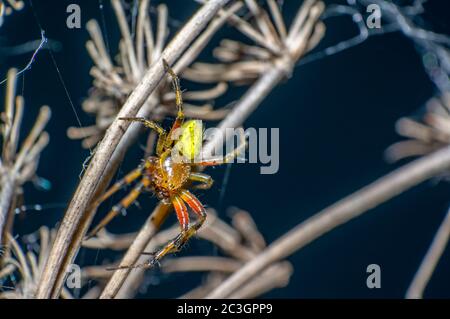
134,279
128,139
213,280
204,38
134,252
105,149
92,293
221,264
275,276
344,210
8,187
430,261
7,195
244,223
220,236
272,277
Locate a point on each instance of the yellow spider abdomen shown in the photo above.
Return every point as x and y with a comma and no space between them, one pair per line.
190,140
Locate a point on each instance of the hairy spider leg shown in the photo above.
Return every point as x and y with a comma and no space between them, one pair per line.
127,179
187,232
205,181
124,203
163,145
182,212
160,145
178,242
228,157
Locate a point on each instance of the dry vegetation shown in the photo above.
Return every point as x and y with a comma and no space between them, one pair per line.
133,84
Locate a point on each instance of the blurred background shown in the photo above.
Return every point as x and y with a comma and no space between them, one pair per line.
336,117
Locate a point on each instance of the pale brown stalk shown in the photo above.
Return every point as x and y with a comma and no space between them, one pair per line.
430,261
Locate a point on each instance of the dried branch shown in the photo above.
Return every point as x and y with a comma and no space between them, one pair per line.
243,63
346,209
430,261
220,264
141,241
228,240
278,67
244,223
113,135
275,276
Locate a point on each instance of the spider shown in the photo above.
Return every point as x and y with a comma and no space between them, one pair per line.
170,173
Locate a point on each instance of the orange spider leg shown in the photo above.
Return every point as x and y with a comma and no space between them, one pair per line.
177,243
182,212
228,157
129,178
196,206
124,203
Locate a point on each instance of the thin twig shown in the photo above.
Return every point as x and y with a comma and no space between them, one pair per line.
346,209
275,276
141,241
221,264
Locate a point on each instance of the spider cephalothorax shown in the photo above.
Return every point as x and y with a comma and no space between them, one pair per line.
170,173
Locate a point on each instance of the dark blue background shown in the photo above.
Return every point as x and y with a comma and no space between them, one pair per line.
336,117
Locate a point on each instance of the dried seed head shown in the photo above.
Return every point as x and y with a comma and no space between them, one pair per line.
242,63
26,266
426,135
18,165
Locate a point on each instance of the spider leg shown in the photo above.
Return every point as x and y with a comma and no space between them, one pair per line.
228,157
182,212
154,126
178,101
127,179
175,244
205,180
196,206
124,203
184,236
187,230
